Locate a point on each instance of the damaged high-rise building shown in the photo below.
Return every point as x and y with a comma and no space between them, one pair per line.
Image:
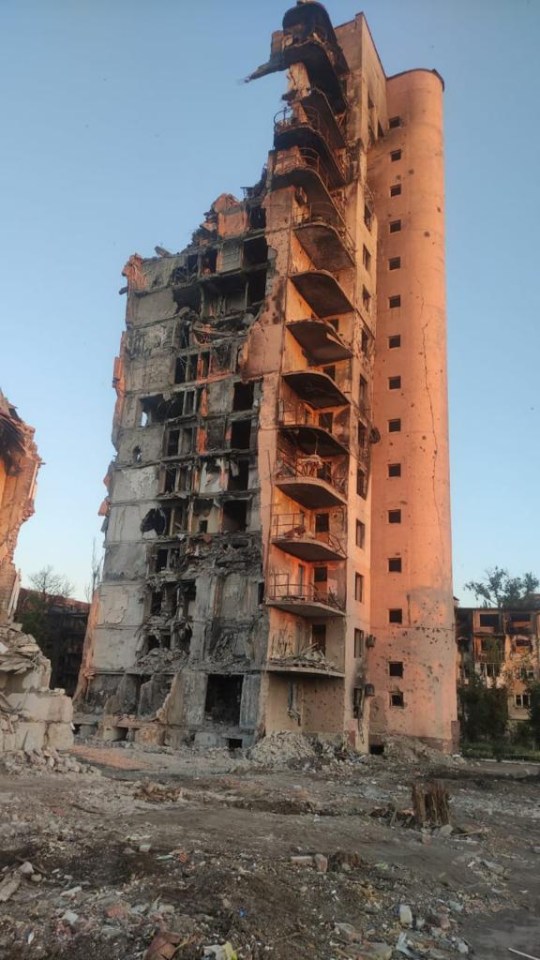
278,529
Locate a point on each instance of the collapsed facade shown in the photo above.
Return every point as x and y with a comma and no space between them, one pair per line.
278,534
503,648
31,715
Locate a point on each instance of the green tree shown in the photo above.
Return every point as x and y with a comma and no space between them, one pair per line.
501,590
484,710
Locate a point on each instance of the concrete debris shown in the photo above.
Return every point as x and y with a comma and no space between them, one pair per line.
45,761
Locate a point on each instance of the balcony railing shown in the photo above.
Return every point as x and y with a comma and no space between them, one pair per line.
290,165
294,534
321,214
304,599
306,122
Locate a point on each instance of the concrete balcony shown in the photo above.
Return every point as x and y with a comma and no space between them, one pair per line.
303,167
305,128
324,237
320,341
303,667
324,62
315,388
312,482
304,600
293,534
309,436
322,292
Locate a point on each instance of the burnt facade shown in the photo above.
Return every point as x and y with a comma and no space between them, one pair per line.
262,461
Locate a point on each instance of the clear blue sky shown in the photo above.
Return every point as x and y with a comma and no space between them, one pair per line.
122,121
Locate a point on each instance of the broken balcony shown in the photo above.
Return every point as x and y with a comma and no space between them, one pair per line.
305,600
320,340
305,129
293,533
316,388
322,292
305,664
310,433
324,236
304,168
311,481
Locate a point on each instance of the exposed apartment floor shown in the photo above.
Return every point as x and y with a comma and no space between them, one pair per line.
203,848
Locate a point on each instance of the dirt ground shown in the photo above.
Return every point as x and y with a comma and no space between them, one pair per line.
203,848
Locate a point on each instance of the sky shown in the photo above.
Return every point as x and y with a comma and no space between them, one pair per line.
123,121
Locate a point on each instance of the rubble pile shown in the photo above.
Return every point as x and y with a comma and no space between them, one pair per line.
286,749
31,715
44,761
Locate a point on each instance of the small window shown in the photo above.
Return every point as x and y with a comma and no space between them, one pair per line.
394,469
395,668
395,155
394,122
359,637
360,533
362,391
396,699
368,217
318,637
358,587
523,700
394,302
395,615
366,298
395,190
394,516
364,342
394,263
320,575
394,341
366,258
394,383
394,564
361,483
394,426
395,226
322,523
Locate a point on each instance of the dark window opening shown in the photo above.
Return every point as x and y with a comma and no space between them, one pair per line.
184,335
396,699
395,668
364,342
489,620
187,440
189,401
322,523
366,258
137,455
257,218
362,390
151,643
376,749
180,370
395,226
184,478
240,434
394,302
243,396
394,469
234,744
394,383
361,483
155,603
395,615
359,637
256,288
394,426
394,516
162,557
209,262
360,533
394,564
192,364
362,435
154,521
394,122
238,475
358,587
394,341
368,217
326,421
395,155
234,516
260,592
366,298
255,252
318,637
320,574
395,190
394,263
223,699
203,526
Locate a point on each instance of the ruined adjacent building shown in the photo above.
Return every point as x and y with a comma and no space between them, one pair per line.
58,624
503,648
277,522
31,715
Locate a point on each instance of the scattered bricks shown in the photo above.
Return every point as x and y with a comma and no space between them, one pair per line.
321,863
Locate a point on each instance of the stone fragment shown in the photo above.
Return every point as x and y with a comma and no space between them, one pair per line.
347,932
379,951
405,915
302,861
446,830
321,863
26,869
70,918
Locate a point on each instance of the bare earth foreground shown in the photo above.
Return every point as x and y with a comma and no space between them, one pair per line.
96,862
